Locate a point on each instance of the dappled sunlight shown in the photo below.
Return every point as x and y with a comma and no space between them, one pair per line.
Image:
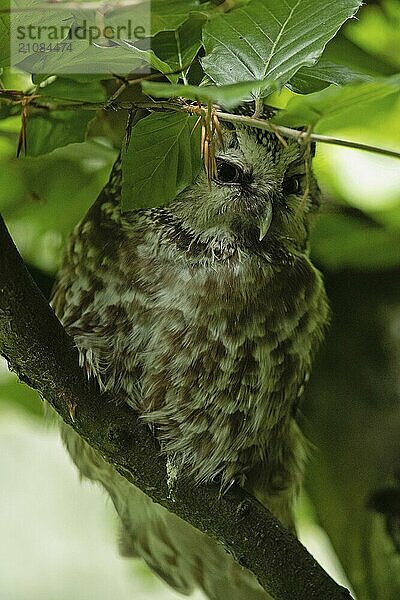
367,181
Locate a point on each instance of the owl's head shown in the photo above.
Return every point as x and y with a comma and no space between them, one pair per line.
263,191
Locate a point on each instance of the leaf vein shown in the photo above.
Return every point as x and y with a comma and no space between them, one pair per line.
274,45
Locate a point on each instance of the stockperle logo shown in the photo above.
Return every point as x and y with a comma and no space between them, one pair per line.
80,36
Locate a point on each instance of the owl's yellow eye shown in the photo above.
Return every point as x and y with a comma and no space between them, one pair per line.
228,173
292,185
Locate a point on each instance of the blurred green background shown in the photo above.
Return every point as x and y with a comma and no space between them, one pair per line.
56,535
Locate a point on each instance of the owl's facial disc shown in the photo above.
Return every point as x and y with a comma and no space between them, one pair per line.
256,192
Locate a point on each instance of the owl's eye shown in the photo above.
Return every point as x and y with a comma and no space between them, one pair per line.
228,173
292,185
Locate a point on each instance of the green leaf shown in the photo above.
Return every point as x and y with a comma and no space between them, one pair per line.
30,18
313,79
323,109
168,16
270,39
4,34
91,54
42,198
227,95
49,131
69,89
123,58
178,48
162,159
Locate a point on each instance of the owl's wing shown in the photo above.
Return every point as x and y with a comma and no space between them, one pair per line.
92,296
95,233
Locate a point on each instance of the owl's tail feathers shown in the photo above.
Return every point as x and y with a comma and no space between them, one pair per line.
180,554
187,559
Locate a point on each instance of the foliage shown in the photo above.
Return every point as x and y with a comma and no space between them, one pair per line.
283,52
163,142
322,70
271,40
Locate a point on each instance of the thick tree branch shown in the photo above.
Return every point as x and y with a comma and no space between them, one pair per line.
43,356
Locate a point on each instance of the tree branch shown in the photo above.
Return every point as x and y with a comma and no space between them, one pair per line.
304,135
15,98
43,356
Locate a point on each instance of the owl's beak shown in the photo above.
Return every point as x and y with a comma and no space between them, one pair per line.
265,222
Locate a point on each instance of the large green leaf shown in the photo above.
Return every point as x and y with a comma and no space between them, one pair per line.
271,39
312,79
323,109
178,48
49,131
91,54
162,159
29,16
70,89
159,16
82,59
43,198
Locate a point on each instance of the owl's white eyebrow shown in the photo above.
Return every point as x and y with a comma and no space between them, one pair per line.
232,158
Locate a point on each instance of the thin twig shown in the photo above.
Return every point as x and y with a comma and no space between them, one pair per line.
126,82
303,135
222,116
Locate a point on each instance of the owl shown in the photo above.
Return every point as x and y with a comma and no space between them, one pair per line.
204,315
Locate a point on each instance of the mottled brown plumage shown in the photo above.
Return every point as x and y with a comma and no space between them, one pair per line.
207,327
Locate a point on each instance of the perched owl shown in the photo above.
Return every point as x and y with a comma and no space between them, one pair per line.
204,315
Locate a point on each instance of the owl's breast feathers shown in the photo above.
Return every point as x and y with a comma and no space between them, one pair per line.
208,338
